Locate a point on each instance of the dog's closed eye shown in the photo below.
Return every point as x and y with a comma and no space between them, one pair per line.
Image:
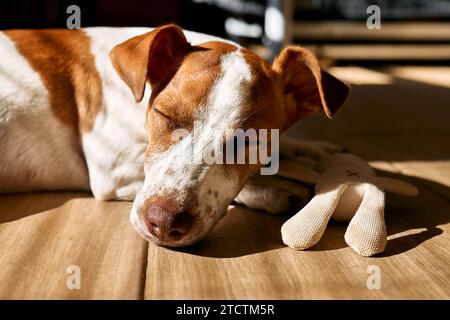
174,119
156,110
172,122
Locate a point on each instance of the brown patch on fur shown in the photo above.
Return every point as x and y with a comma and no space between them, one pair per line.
67,68
169,172
266,98
154,56
309,88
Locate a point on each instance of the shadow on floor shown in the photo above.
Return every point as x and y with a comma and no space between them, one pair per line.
401,121
27,204
244,232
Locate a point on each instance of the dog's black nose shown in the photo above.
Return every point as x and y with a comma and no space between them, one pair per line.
166,225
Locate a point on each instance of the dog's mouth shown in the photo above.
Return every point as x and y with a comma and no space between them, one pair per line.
174,243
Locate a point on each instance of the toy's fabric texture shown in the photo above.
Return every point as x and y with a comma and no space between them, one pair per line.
276,194
347,189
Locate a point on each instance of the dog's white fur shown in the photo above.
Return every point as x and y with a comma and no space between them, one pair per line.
30,135
38,152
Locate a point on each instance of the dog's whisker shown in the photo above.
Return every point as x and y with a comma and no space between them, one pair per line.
250,115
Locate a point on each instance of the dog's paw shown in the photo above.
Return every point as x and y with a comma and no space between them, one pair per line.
274,195
292,149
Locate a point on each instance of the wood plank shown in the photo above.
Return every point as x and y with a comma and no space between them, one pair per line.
244,258
42,234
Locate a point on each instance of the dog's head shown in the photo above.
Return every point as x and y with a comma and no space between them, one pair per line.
200,94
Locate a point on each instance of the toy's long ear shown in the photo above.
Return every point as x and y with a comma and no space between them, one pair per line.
308,87
306,228
154,56
366,233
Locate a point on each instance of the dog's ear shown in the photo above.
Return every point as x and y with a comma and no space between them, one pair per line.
308,88
154,56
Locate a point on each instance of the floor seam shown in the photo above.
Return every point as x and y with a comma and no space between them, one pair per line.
144,273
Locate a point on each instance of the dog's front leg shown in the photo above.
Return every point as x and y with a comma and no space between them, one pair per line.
118,183
273,194
128,192
115,174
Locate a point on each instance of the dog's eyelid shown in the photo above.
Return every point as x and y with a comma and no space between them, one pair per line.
174,123
161,113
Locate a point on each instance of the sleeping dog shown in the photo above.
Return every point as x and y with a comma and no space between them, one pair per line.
96,109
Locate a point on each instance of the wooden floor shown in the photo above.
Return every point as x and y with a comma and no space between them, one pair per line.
397,118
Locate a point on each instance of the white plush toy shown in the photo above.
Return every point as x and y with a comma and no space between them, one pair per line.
347,189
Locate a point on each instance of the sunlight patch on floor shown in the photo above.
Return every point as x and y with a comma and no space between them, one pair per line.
432,170
360,76
437,76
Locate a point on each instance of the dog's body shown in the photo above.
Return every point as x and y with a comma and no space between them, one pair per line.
69,122
98,125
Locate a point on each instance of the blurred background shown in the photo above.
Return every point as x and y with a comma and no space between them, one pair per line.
412,30
400,73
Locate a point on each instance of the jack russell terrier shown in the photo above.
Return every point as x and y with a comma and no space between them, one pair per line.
95,109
